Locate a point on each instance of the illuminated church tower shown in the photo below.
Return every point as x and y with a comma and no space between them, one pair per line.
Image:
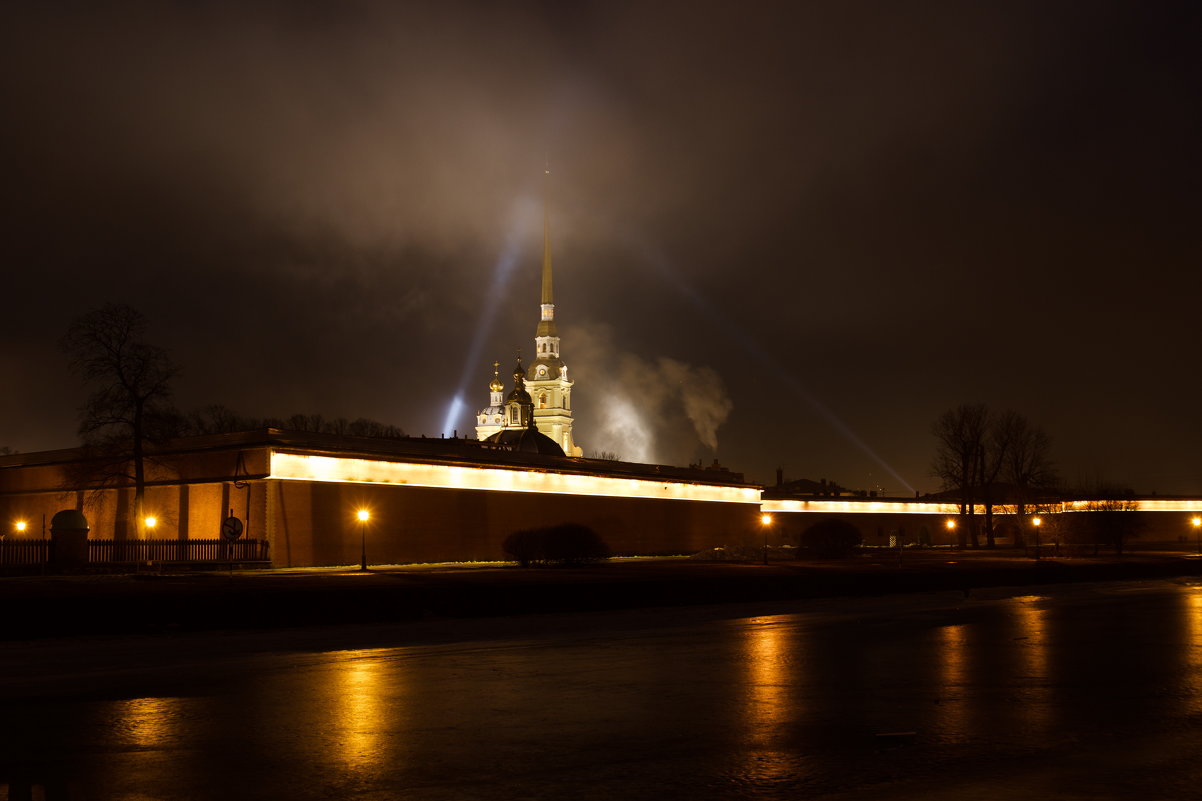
491,419
547,377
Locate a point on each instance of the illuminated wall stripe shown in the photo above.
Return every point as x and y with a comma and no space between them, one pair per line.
305,467
302,467
860,507
919,508
1142,505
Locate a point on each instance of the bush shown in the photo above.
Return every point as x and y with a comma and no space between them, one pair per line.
830,539
567,544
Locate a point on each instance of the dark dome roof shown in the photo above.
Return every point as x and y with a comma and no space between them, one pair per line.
525,440
68,520
520,395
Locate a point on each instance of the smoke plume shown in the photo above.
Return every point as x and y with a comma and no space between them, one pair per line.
656,410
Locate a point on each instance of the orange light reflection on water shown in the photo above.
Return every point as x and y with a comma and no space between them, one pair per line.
954,675
1034,683
769,680
1193,650
359,713
148,722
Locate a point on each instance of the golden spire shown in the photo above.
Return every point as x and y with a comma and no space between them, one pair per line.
547,295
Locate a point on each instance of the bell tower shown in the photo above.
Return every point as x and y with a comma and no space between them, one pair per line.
547,377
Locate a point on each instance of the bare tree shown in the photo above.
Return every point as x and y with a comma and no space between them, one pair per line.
960,442
130,404
1027,466
995,451
217,418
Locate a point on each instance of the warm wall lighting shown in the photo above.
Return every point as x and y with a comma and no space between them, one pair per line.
363,516
304,467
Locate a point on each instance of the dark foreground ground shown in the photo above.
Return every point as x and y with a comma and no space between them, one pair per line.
35,607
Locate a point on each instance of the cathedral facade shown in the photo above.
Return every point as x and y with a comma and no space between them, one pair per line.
545,383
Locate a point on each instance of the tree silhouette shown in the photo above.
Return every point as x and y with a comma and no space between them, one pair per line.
960,448
130,403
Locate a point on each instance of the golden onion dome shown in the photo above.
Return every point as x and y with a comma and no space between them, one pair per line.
495,385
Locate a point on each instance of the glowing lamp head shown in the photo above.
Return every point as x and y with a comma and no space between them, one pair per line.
364,515
1196,522
766,520
151,521
1037,521
20,525
951,524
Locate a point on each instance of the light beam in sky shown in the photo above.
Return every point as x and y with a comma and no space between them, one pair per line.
502,271
656,258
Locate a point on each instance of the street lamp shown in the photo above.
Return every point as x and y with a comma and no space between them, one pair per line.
1196,522
151,522
1037,522
363,516
766,523
21,526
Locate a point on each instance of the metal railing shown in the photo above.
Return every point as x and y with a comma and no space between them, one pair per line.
162,550
23,551
109,551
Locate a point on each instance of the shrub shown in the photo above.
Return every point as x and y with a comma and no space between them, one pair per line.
567,544
830,539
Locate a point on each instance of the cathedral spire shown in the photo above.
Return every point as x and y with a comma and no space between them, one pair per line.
546,322
548,297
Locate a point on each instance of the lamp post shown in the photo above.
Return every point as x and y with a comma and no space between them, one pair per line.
363,516
766,523
1196,522
950,525
1037,522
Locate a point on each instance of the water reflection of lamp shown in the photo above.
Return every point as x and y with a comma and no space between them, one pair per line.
954,676
1035,685
769,679
361,713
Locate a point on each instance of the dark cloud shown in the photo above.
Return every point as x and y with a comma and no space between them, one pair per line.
856,214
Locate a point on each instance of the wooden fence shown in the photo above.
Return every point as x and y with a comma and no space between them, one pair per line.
215,550
35,552
23,551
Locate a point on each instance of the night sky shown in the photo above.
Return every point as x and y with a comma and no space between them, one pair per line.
798,231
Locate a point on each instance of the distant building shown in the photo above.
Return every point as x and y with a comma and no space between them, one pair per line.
430,500
546,380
